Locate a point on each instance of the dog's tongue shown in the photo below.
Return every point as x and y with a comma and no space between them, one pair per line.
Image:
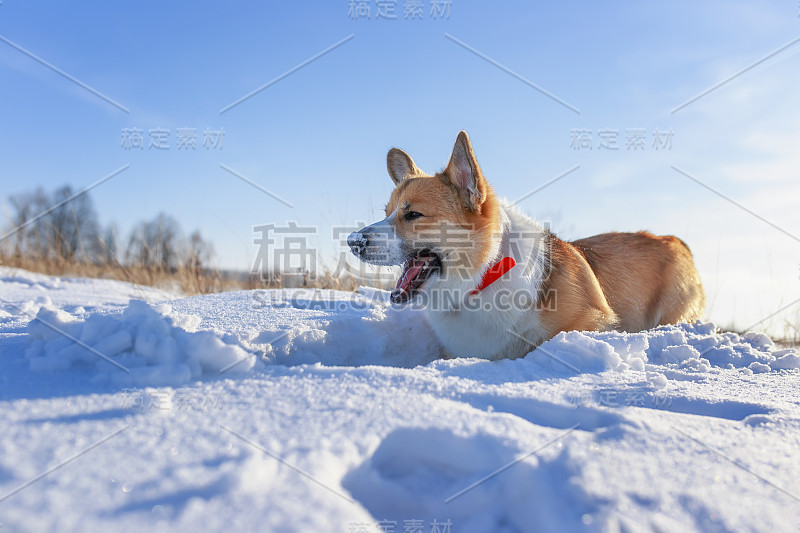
411,269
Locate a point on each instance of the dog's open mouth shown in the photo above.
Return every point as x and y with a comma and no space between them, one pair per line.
416,272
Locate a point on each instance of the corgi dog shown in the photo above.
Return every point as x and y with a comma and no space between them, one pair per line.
495,283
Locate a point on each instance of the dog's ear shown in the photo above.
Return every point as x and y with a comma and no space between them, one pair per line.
400,165
463,172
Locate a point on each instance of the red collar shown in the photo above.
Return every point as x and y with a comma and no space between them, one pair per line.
494,273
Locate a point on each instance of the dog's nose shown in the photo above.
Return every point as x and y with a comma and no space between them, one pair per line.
357,243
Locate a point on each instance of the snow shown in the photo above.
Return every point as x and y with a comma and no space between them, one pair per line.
147,346
302,410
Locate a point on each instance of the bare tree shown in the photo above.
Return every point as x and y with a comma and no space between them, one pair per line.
37,229
198,252
22,212
155,243
54,233
108,252
73,226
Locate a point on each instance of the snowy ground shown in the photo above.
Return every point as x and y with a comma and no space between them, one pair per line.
327,411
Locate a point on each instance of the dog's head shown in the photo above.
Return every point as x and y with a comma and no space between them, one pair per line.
438,226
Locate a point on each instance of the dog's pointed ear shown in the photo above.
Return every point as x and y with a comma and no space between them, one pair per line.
465,174
400,165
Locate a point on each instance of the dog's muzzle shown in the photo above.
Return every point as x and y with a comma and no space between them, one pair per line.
377,244
357,242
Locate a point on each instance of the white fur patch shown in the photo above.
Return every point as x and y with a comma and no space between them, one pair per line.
501,320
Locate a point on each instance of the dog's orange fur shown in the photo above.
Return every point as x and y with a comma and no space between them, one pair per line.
439,198
647,279
580,302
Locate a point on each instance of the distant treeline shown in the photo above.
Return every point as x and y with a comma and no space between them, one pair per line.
55,226
47,231
58,233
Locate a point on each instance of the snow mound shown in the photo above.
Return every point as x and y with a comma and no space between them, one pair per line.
140,346
156,345
366,330
693,347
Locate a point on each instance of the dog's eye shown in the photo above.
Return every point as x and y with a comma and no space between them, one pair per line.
413,215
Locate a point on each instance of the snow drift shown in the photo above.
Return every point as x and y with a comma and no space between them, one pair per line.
156,345
310,410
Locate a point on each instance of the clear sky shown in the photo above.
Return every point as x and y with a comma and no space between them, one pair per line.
317,138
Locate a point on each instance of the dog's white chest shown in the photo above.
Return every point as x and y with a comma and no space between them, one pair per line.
502,320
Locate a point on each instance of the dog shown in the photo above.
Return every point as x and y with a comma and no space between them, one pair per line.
495,283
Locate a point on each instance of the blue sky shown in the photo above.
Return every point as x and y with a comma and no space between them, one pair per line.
318,137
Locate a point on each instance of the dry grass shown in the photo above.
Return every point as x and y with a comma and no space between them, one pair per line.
190,281
789,339
187,280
